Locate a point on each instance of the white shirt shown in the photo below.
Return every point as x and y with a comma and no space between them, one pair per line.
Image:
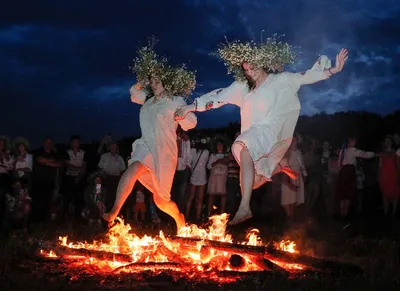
75,160
112,165
186,159
351,154
25,163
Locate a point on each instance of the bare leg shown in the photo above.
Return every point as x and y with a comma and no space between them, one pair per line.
142,215
125,187
169,207
192,194
199,200
136,216
246,184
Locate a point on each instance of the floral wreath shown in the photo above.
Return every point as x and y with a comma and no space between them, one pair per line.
271,54
177,81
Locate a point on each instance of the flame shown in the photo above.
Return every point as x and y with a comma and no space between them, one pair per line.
161,252
287,246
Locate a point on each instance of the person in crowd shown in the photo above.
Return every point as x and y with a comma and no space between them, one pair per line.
18,205
112,165
198,179
155,154
269,108
293,190
232,183
139,208
389,177
183,169
218,166
313,163
74,180
95,197
47,163
23,161
346,184
6,166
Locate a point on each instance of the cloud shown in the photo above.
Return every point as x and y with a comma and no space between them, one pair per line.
74,55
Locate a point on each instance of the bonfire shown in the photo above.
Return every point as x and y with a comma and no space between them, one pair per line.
195,253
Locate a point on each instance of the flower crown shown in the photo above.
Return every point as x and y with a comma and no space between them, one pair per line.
177,81
271,55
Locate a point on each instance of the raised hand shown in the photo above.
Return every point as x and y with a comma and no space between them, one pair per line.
341,59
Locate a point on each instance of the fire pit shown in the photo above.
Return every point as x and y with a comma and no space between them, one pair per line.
194,253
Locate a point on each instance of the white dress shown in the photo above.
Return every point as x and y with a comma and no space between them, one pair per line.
268,114
157,149
290,195
199,174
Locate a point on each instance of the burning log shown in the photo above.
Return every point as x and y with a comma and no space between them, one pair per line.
141,265
324,265
222,246
65,251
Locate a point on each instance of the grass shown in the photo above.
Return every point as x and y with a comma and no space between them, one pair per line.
376,253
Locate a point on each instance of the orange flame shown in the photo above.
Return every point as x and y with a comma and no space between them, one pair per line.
196,258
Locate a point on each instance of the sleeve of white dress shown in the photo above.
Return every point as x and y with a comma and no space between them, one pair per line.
314,75
137,96
221,97
364,155
190,120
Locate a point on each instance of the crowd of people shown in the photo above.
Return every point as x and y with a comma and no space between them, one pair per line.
78,185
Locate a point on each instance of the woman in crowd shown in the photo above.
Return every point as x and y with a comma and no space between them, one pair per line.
155,154
218,166
346,183
269,108
388,176
23,161
198,178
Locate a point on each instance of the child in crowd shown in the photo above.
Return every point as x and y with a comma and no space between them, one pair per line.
140,205
95,197
18,205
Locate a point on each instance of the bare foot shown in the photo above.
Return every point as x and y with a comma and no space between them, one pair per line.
110,217
241,216
180,222
288,171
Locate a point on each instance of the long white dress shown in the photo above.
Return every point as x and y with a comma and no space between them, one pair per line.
157,149
268,114
294,194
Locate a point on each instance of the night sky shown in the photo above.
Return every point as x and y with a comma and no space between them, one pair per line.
64,64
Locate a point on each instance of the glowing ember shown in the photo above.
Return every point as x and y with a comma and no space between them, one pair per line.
194,252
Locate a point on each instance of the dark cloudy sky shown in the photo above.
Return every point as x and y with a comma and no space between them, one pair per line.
64,64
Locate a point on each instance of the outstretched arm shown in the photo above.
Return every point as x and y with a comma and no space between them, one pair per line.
137,94
214,99
322,69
